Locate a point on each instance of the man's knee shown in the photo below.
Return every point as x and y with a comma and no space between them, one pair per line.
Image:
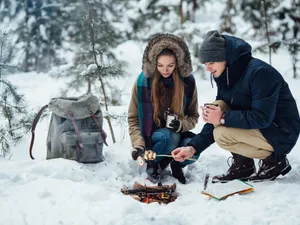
220,135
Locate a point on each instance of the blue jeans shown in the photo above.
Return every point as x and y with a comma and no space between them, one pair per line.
165,141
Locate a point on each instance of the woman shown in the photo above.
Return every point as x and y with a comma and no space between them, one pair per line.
166,85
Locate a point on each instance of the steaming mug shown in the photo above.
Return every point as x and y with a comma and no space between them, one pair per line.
169,118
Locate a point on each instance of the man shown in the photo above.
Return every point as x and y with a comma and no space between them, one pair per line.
256,116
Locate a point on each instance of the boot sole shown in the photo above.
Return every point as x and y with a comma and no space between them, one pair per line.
283,172
225,181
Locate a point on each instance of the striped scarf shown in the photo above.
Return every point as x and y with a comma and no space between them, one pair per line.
145,107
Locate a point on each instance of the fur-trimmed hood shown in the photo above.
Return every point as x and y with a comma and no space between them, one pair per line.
172,42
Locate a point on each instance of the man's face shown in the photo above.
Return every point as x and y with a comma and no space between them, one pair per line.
215,68
166,65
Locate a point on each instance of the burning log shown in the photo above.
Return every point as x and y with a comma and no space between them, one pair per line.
148,194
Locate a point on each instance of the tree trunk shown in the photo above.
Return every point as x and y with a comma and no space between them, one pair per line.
294,68
37,63
295,60
267,30
227,25
91,28
27,47
193,16
181,13
1,58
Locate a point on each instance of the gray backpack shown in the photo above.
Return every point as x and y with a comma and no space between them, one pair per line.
75,130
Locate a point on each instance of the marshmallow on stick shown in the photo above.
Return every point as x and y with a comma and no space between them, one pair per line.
150,155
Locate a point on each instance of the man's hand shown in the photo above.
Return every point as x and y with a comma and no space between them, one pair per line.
211,114
175,125
136,152
183,153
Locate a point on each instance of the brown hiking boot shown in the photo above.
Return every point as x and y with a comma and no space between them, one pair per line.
270,169
241,168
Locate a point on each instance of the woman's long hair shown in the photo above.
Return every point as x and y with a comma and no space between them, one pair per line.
158,90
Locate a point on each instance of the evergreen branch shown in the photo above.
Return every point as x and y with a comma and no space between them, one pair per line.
112,70
8,66
12,90
19,109
4,145
2,50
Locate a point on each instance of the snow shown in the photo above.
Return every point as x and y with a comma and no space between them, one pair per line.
92,68
68,193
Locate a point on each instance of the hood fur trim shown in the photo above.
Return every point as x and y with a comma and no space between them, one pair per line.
170,41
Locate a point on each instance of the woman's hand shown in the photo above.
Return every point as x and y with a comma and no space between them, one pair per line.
183,153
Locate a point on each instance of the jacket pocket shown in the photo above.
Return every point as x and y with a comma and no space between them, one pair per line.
282,126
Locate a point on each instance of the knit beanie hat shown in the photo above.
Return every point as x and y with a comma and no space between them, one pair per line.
212,48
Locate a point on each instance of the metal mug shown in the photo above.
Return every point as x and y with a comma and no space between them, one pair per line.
170,117
206,105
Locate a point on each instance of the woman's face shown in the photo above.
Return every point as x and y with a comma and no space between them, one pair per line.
166,65
215,68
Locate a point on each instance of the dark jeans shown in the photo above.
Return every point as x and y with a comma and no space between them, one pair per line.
165,141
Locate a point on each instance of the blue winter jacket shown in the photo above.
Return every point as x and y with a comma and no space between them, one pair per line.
259,98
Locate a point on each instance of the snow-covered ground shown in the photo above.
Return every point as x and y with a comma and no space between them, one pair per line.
65,192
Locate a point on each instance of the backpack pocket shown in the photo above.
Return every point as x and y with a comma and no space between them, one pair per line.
92,150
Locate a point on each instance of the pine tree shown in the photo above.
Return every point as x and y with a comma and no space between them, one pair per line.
253,12
260,14
188,9
38,32
227,24
148,18
107,36
15,121
94,35
289,27
41,35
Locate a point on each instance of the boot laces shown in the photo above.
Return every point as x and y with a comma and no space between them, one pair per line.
236,163
233,164
230,161
261,166
266,165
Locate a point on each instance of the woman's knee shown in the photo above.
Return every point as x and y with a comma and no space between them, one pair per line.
166,136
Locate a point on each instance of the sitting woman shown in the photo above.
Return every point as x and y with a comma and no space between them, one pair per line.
166,86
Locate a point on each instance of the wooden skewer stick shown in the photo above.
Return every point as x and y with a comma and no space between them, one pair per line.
150,155
161,155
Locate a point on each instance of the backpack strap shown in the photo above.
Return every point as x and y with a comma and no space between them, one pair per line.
35,121
80,143
102,132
